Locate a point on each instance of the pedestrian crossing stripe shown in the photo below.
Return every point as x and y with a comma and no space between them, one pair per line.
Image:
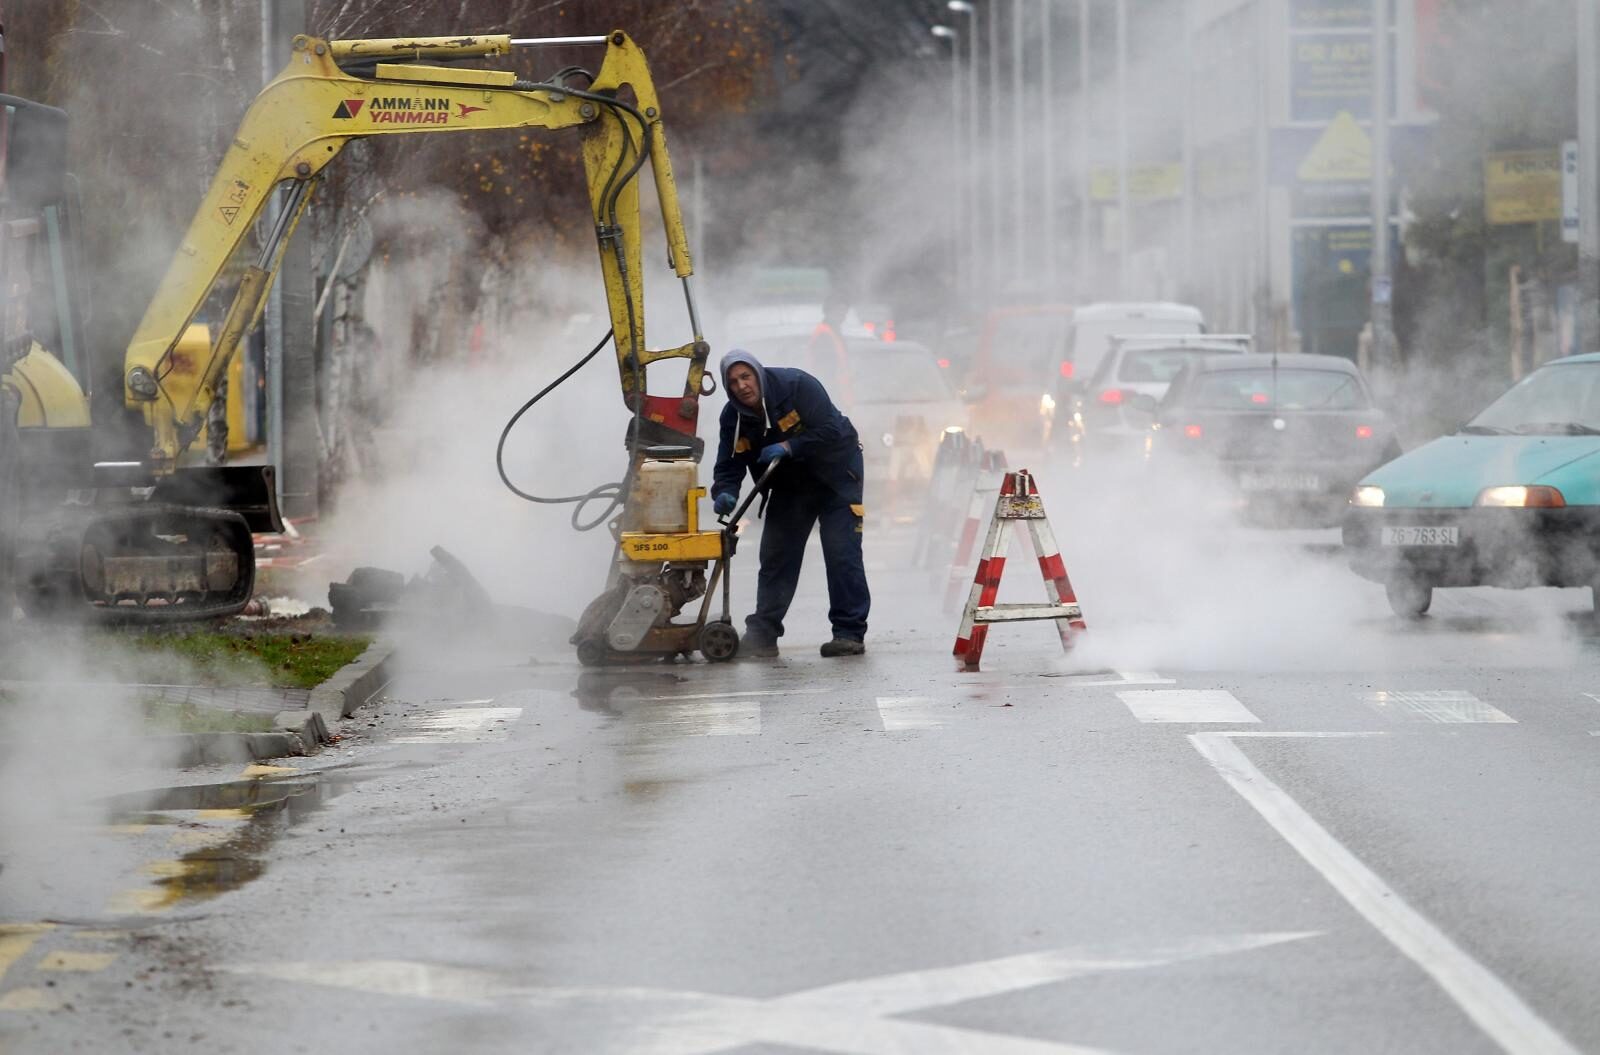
1446,707
1186,706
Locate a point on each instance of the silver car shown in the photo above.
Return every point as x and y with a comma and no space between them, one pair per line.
1113,411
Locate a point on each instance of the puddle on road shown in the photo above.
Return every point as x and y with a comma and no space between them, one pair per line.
611,692
233,824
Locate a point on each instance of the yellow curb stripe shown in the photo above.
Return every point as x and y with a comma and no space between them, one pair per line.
16,940
253,772
77,961
29,1000
142,902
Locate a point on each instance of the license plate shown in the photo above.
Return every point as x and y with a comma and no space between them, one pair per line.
1421,536
1280,482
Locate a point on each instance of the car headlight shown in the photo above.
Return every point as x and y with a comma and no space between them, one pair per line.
1521,497
1047,404
1368,496
888,439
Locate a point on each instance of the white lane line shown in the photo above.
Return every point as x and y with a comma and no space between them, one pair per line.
743,695
1449,707
463,725
1099,678
900,713
856,1016
899,994
1485,999
1186,705
706,718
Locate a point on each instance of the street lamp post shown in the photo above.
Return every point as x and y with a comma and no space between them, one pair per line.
1382,283
1588,177
993,143
1085,169
1124,198
1047,110
969,148
957,269
1019,184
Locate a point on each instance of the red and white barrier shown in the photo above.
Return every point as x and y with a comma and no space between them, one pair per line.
1018,500
993,462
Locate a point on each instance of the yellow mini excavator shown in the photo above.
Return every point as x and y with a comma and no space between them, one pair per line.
165,539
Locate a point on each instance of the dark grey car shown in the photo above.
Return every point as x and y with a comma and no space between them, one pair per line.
1290,433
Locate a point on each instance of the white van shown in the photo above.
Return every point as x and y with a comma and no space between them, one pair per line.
1094,325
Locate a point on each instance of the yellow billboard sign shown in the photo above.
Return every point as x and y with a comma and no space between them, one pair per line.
1522,186
1145,183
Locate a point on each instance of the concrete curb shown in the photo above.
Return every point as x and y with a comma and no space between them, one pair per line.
355,685
298,733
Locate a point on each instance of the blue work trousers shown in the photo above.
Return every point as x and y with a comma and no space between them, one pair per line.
796,505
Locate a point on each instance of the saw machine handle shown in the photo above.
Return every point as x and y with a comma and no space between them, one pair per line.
731,521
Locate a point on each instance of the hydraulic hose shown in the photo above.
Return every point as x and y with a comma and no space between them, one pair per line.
613,492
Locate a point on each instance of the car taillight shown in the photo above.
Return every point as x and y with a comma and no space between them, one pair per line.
1194,432
1363,432
1258,397
870,326
1066,369
1111,397
944,364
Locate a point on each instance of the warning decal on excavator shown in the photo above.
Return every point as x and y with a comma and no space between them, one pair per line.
236,197
349,108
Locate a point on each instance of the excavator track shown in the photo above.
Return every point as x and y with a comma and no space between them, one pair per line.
139,563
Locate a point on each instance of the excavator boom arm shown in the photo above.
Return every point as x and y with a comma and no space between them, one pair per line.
309,112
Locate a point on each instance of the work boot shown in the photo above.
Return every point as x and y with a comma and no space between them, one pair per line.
844,646
753,647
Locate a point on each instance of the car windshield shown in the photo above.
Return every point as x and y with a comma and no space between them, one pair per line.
894,375
1561,399
1157,365
1287,388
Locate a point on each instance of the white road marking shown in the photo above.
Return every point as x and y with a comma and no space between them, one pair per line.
1488,1001
463,725
743,695
706,717
902,713
848,1017
1100,678
1448,706
1186,705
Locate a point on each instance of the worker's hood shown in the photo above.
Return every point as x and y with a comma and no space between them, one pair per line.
734,358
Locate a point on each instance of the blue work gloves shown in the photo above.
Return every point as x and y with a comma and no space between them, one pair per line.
771,452
723,504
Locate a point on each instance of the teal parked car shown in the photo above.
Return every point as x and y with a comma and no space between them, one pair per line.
1512,499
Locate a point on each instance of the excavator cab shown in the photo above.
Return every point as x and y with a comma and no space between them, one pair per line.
80,538
38,273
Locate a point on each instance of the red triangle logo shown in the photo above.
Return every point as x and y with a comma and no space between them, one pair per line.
354,106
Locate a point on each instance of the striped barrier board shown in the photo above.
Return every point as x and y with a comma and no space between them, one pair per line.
1018,500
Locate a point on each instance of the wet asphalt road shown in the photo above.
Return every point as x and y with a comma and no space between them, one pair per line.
1382,841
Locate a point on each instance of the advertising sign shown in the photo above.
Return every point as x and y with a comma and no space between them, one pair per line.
1522,186
1145,183
1329,73
1330,14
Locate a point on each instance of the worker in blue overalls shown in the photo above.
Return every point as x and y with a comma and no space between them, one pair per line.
778,412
